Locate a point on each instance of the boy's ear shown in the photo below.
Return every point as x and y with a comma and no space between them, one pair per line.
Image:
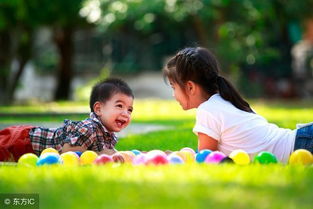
97,108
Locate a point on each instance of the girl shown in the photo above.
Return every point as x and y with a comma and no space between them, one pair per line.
224,120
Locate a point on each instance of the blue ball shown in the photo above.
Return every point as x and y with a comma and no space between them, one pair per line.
200,157
78,153
48,159
136,152
175,159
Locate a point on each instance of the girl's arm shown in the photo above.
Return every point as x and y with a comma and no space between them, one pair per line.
206,142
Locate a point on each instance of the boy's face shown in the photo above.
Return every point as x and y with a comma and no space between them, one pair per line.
115,113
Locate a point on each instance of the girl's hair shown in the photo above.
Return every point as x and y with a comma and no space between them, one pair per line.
200,66
105,89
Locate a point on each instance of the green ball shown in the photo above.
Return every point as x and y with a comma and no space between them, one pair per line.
265,158
28,160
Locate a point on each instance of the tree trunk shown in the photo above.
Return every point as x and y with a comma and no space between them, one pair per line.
63,39
202,34
5,65
24,53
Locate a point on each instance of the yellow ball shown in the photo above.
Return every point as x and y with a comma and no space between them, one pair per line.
70,159
49,150
240,157
301,157
28,160
187,156
88,157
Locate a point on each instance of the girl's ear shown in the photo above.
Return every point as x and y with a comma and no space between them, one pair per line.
97,108
190,87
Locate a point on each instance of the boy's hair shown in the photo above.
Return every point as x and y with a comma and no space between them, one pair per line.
105,89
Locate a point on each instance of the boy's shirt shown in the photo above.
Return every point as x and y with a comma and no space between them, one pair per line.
89,133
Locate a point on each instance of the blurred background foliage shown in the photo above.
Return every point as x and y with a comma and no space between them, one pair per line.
251,38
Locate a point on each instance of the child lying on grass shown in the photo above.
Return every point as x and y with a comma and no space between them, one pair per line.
111,104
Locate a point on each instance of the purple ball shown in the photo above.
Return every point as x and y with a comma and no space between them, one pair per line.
175,159
215,157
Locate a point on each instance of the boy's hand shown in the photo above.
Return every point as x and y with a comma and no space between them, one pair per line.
117,158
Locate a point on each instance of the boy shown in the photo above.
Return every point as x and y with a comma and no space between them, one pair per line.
111,104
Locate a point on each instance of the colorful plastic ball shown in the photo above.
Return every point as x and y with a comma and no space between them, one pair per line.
301,157
175,159
136,152
103,159
215,157
78,153
227,160
156,152
28,160
49,150
240,157
265,158
70,159
157,159
200,156
128,156
187,156
88,157
139,159
49,159
188,149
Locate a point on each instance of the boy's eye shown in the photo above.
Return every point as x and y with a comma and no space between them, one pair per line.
119,105
130,110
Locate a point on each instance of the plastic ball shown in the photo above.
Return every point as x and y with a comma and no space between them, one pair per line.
128,156
78,153
49,150
156,159
215,157
227,160
200,156
136,152
265,158
49,159
187,156
28,160
70,159
103,159
88,157
139,159
188,149
240,157
301,157
175,159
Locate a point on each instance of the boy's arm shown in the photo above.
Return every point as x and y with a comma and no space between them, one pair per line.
67,147
206,142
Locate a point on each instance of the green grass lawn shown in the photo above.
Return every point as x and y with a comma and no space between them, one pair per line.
185,186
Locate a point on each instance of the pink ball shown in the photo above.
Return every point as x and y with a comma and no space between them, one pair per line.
215,157
103,159
139,159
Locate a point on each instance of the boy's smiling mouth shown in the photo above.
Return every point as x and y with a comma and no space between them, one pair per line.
120,123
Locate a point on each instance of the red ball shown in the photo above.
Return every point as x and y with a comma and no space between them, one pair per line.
157,159
103,159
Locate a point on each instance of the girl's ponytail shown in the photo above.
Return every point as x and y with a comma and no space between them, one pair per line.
229,93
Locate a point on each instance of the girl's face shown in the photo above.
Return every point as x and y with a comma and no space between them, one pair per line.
189,97
181,96
115,114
